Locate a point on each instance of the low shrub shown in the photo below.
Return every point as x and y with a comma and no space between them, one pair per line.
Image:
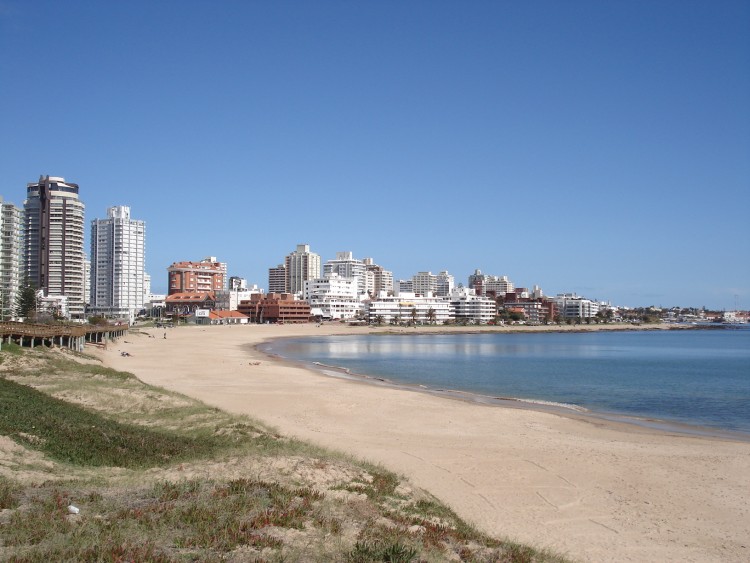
72,434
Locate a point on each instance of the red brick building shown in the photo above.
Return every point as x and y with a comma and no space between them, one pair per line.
534,310
275,308
206,275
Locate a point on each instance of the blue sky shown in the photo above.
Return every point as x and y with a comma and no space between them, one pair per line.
595,147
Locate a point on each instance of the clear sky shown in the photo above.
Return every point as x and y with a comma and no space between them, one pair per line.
594,147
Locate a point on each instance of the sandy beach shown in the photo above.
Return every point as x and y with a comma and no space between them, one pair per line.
590,489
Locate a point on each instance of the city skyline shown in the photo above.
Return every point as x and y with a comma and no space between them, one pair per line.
588,148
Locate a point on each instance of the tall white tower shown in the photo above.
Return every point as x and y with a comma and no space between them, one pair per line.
118,264
53,241
11,258
346,266
301,265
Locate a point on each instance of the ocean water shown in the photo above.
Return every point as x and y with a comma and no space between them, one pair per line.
695,377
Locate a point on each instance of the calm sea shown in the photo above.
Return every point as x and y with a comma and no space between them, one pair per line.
696,377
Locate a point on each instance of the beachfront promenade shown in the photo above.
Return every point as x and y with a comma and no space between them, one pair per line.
68,336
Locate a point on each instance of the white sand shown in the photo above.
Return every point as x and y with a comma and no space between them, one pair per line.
592,490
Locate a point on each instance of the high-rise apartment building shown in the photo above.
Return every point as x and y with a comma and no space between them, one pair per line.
146,287
346,266
439,285
378,278
424,283
118,264
444,283
301,265
277,279
204,276
403,286
53,241
486,285
11,258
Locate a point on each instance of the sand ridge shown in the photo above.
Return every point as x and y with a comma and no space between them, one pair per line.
594,490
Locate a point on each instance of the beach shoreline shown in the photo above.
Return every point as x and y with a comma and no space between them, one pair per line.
594,489
580,412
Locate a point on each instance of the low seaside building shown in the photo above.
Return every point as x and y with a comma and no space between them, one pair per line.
334,297
407,307
534,310
572,306
467,306
227,318
275,308
179,305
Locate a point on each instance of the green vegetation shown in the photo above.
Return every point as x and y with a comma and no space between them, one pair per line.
71,434
12,348
27,302
8,494
156,476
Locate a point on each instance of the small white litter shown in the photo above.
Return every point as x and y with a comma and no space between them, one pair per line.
73,509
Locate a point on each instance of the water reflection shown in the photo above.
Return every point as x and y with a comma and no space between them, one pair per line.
662,375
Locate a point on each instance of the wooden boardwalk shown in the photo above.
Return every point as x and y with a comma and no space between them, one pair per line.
70,336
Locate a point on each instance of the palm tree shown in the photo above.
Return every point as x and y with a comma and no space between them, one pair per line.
414,315
431,315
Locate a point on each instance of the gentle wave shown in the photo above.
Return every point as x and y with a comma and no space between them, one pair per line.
570,406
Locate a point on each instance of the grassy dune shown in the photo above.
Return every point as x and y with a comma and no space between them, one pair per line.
157,476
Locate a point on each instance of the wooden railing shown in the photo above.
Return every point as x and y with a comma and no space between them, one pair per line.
42,330
49,331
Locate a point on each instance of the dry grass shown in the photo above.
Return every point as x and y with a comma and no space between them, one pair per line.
234,490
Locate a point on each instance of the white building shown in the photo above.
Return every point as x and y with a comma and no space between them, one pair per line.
499,285
229,299
237,283
403,286
301,265
536,292
571,306
53,241
52,305
444,283
407,308
118,262
346,266
155,304
87,282
377,278
467,306
423,283
334,297
485,284
440,284
11,258
146,285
